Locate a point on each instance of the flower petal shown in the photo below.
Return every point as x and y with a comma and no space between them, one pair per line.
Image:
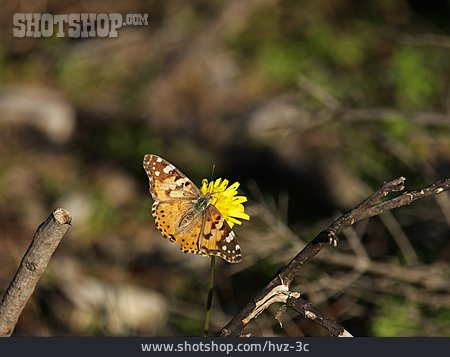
225,199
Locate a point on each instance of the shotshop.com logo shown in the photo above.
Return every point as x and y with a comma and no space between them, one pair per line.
74,25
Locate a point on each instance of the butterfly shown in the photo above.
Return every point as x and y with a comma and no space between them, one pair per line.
185,216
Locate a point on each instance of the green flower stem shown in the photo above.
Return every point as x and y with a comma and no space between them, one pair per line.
212,270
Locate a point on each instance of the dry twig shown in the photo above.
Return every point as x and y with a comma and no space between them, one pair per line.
32,266
277,290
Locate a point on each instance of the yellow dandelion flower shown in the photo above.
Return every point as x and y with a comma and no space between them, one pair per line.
225,199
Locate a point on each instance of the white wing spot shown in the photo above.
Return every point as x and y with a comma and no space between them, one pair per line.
180,181
168,169
237,247
224,247
158,159
157,173
229,237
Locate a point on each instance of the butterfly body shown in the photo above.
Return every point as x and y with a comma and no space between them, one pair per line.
185,216
198,207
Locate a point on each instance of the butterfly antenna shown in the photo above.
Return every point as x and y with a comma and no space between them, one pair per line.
212,172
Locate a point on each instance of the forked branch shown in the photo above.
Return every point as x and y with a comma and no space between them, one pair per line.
277,290
32,266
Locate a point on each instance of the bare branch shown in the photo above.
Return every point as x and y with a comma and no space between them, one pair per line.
309,312
431,277
32,266
368,208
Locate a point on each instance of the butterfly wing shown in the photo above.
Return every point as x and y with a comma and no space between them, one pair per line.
167,215
217,238
166,181
174,196
208,233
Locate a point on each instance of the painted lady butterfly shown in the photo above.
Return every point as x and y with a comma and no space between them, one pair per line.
187,217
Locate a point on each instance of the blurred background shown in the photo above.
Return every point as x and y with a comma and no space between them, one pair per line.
310,105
